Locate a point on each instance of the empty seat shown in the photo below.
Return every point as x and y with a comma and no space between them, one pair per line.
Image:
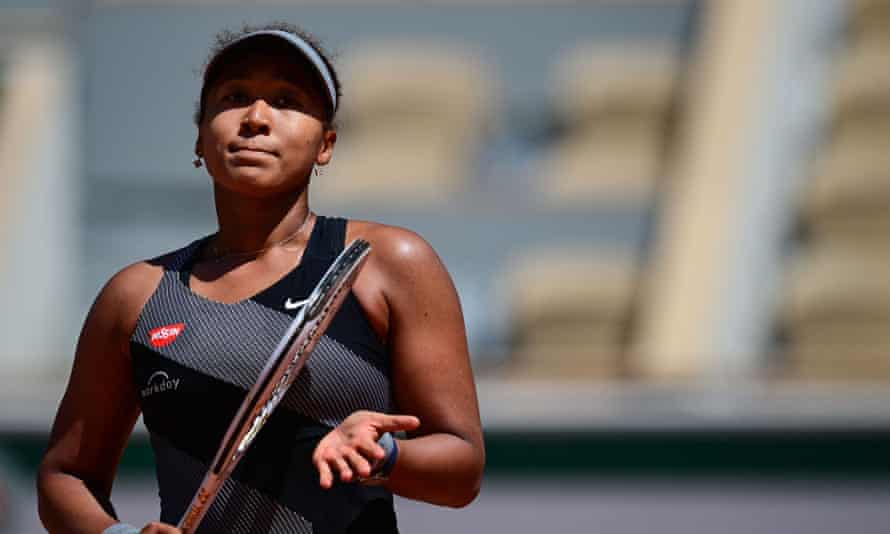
836,283
844,354
871,17
837,314
849,196
862,86
568,314
614,103
593,81
412,119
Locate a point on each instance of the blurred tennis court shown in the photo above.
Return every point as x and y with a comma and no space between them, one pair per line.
732,506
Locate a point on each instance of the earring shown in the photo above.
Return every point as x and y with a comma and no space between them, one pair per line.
316,170
197,162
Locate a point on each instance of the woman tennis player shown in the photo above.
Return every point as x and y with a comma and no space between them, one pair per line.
182,337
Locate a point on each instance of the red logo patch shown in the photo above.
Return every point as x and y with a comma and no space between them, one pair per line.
163,336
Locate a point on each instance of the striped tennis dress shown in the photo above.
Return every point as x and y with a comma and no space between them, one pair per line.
194,361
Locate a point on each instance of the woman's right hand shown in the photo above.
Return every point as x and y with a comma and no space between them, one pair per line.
351,449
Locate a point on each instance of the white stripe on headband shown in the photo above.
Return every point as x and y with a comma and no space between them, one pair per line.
308,51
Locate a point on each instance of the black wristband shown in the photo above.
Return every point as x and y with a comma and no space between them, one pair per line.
382,468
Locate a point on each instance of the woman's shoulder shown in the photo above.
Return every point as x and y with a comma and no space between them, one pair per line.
394,243
398,253
129,288
145,274
127,291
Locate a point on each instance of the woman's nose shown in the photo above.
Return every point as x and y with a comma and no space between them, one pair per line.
256,118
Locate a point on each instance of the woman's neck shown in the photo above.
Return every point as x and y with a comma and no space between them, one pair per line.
253,224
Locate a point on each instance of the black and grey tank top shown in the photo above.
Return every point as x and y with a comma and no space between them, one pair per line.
194,360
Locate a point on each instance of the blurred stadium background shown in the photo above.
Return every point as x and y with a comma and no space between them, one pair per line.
666,220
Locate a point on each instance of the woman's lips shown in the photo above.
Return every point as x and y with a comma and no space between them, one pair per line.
251,156
254,150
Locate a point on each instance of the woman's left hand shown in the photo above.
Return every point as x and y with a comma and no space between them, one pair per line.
351,448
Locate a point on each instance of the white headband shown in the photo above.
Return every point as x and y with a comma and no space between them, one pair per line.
308,51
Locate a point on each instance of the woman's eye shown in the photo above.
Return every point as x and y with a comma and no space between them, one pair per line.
235,97
286,102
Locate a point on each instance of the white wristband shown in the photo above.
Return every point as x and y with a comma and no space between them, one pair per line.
121,528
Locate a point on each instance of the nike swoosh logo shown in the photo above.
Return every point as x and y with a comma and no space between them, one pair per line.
291,305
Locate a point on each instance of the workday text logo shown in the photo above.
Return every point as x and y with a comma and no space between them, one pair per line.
159,382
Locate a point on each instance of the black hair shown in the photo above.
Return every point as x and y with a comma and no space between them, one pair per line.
226,37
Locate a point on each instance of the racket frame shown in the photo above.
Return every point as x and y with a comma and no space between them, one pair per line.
281,369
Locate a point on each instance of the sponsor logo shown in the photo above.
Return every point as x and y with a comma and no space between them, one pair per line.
159,382
292,305
163,336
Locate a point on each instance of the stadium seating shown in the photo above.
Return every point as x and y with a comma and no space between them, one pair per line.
863,80
571,306
569,310
850,191
837,310
613,104
410,125
838,314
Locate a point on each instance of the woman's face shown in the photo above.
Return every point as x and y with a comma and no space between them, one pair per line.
263,128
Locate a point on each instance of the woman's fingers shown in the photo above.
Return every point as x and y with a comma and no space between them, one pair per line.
343,468
359,463
156,527
395,423
325,476
330,461
346,462
370,450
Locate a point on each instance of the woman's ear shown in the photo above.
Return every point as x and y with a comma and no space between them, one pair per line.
326,151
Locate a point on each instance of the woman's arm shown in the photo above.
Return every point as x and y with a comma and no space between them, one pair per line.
96,414
442,462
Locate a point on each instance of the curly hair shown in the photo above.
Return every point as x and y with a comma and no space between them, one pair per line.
226,37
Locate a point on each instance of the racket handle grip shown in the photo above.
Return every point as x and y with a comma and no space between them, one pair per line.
202,501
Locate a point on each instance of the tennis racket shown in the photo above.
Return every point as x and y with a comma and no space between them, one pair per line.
314,316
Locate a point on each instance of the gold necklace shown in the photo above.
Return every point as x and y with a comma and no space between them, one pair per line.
213,249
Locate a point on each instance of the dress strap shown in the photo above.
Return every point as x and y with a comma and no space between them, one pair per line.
328,237
182,264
